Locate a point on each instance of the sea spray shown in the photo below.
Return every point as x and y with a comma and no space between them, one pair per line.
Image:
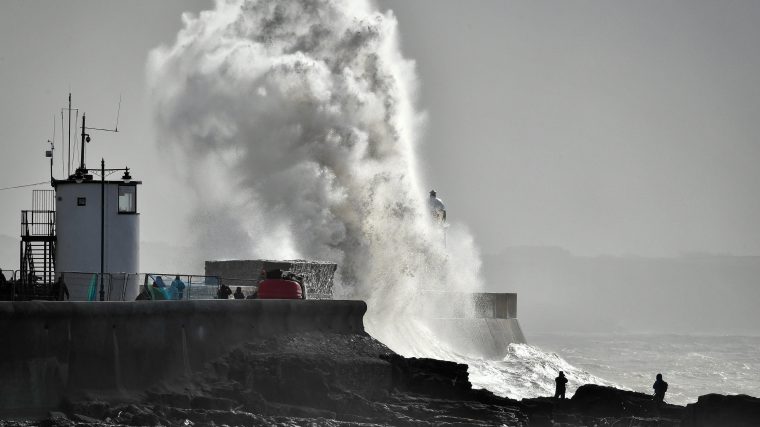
295,125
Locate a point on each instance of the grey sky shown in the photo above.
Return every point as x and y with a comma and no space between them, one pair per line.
600,127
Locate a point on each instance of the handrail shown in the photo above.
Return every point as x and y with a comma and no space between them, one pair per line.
42,223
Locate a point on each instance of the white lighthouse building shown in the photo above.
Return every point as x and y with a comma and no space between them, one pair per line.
86,231
97,229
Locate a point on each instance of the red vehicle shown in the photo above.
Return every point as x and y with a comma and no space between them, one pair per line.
280,289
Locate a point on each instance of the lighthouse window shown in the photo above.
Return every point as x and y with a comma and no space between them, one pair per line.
127,202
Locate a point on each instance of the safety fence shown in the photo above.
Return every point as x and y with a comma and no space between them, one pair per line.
163,286
90,286
14,289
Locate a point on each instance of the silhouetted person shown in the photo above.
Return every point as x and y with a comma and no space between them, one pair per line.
3,280
60,289
660,387
238,293
179,287
224,292
559,392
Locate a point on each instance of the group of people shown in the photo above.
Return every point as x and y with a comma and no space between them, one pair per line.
659,386
225,291
175,291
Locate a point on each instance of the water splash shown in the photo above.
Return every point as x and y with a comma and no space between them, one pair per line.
297,125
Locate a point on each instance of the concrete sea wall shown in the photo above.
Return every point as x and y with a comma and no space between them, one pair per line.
49,350
479,325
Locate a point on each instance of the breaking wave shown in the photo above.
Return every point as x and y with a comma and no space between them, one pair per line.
527,371
300,116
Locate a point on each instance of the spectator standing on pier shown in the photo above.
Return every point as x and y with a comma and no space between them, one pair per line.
559,392
224,292
60,289
179,285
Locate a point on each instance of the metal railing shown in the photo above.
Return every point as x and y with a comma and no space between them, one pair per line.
85,286
196,287
37,223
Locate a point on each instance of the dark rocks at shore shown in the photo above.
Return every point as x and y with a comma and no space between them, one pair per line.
719,410
325,379
600,405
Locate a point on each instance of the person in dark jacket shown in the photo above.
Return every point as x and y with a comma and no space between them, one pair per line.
60,289
559,392
224,292
660,387
239,293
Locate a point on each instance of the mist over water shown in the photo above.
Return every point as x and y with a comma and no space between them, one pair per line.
295,125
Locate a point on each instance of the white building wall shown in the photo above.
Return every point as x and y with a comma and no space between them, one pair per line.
78,235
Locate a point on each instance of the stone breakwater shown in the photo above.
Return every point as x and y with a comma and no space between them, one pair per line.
333,379
321,373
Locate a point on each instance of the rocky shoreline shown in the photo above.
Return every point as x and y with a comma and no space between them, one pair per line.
332,379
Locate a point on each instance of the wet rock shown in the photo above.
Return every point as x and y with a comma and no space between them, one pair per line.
86,419
599,405
429,376
719,410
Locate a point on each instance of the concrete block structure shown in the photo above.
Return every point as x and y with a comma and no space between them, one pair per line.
318,275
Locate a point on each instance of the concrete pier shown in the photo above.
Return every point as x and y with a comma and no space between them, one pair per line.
49,350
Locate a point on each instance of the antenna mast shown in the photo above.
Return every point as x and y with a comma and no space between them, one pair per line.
85,138
69,150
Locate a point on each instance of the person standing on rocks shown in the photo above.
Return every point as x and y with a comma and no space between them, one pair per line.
660,387
559,392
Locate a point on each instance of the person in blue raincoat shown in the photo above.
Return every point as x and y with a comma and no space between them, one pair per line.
177,288
159,289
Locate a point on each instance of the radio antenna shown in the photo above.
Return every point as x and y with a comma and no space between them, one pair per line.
63,141
118,111
69,154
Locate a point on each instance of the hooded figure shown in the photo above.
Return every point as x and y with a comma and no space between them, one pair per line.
178,287
158,289
160,282
660,387
559,392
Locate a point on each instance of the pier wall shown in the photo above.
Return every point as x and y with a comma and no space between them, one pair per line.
49,350
479,325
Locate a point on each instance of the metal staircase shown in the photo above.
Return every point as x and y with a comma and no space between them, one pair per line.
38,239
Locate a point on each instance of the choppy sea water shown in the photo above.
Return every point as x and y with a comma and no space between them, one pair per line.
692,365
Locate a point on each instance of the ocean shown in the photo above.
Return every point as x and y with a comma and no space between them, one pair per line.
692,365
